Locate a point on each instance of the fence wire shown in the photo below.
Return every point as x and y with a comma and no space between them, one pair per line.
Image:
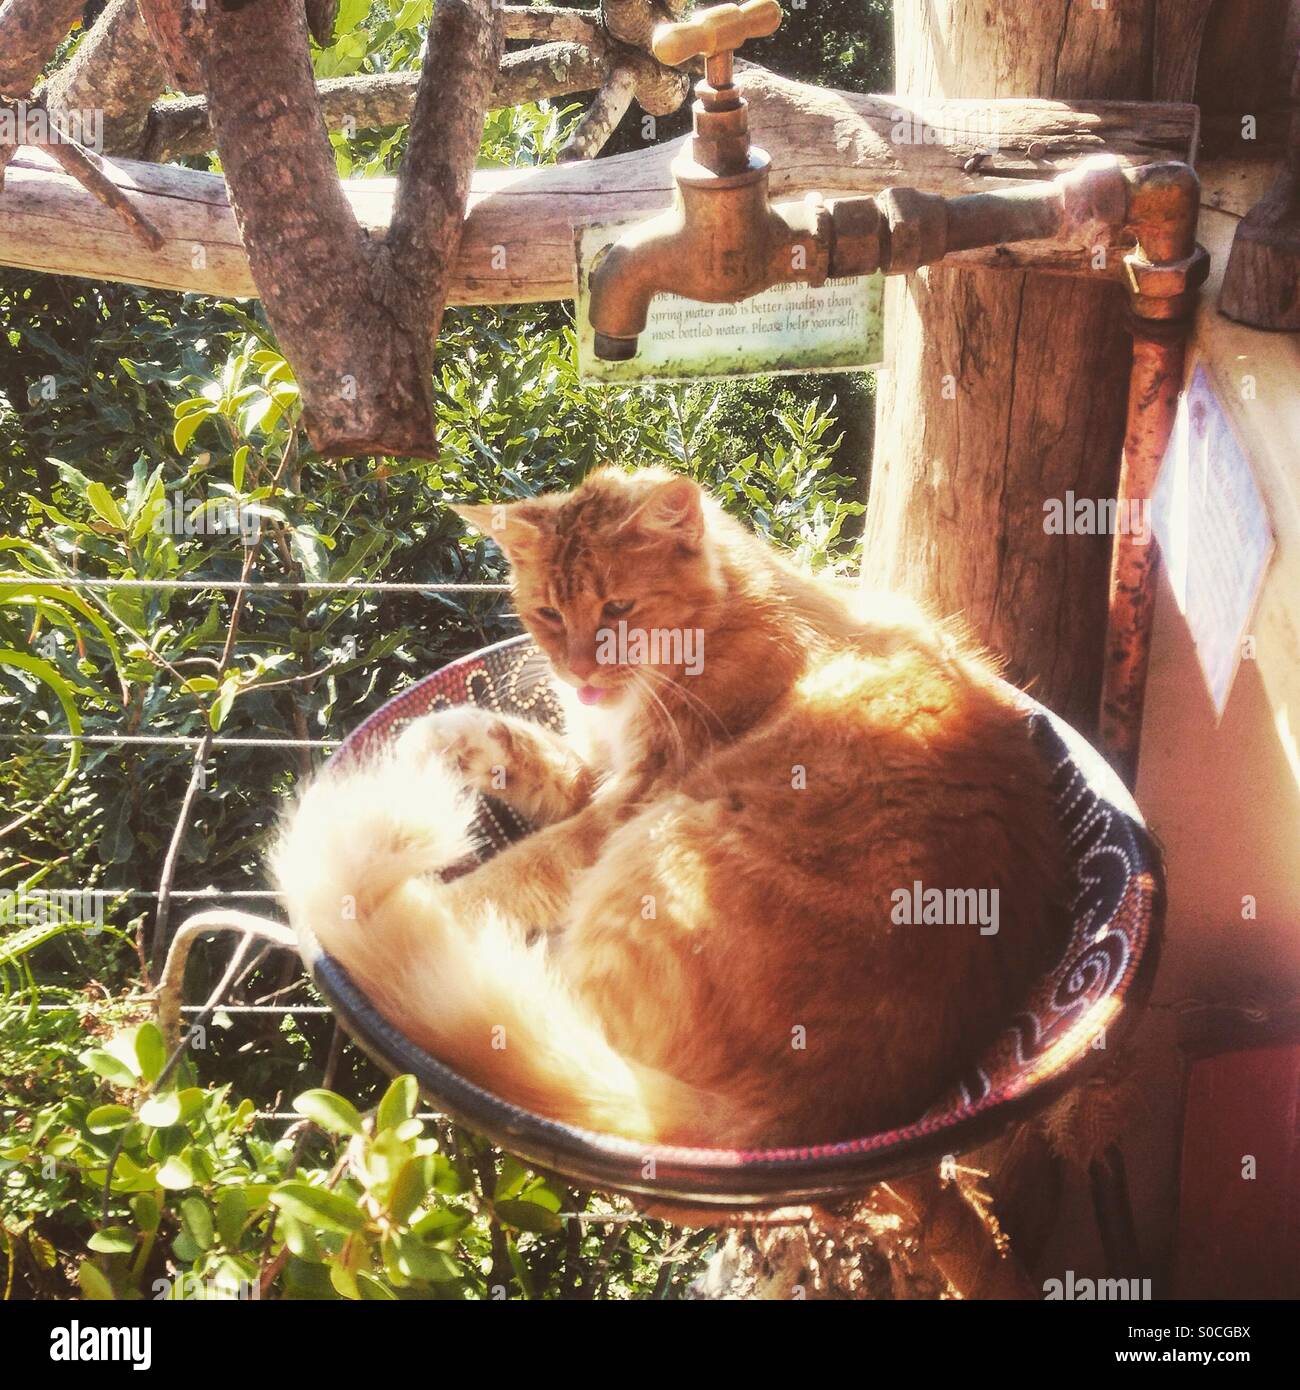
215,895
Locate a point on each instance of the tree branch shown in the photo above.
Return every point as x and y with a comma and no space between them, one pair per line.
373,101
117,70
601,118
30,34
446,132
88,169
547,22
308,256
354,317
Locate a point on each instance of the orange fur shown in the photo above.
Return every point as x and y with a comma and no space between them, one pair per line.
718,960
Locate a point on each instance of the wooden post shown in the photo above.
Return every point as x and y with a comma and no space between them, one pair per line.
1001,392
1005,390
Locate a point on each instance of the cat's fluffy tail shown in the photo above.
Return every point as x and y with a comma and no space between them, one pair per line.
357,865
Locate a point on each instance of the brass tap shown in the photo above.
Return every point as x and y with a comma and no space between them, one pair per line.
722,240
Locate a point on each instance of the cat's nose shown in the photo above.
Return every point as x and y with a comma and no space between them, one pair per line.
583,664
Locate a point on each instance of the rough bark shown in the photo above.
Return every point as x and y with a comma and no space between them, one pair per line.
1240,79
601,118
518,239
116,69
419,253
1180,27
30,34
1005,391
135,51
1261,285
543,23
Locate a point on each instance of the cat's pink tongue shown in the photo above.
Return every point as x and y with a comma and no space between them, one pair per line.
590,694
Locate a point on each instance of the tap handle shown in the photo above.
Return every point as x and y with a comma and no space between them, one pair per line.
717,30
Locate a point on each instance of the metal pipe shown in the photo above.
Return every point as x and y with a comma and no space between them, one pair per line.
1159,356
1164,273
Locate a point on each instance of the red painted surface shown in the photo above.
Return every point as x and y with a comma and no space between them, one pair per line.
1239,1236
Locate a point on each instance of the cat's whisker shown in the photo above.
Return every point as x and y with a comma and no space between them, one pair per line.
670,724
706,710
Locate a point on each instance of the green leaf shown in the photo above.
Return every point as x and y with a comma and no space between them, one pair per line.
105,504
128,1176
331,1112
172,1107
144,1207
410,1187
441,1225
150,1051
106,1118
300,1239
527,1216
330,1211
238,467
419,1261
196,1220
109,1067
113,1240
232,1212
63,693
447,1179
94,1284
176,1173
372,1289
185,1249
220,707
398,1102
187,425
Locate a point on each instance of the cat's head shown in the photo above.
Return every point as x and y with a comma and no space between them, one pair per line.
622,554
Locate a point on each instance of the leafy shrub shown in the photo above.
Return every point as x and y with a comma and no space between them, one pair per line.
135,425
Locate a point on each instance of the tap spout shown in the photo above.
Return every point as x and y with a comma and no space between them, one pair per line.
640,265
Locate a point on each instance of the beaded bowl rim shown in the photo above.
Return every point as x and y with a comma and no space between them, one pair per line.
713,1179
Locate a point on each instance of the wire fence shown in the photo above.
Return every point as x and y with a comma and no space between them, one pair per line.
208,896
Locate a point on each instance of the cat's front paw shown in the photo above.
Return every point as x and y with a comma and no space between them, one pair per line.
469,739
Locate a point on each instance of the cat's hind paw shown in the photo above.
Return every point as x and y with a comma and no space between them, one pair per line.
473,741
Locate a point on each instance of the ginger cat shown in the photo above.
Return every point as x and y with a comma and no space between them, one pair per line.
711,938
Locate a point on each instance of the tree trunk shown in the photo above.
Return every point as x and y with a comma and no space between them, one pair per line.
1005,390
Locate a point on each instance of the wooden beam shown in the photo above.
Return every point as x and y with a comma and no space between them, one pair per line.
517,245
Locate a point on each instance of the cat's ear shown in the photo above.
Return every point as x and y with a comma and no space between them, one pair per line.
671,513
515,526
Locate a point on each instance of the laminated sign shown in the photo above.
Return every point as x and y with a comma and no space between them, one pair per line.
1214,533
838,326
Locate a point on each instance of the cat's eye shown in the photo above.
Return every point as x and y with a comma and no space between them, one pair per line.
619,608
549,615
